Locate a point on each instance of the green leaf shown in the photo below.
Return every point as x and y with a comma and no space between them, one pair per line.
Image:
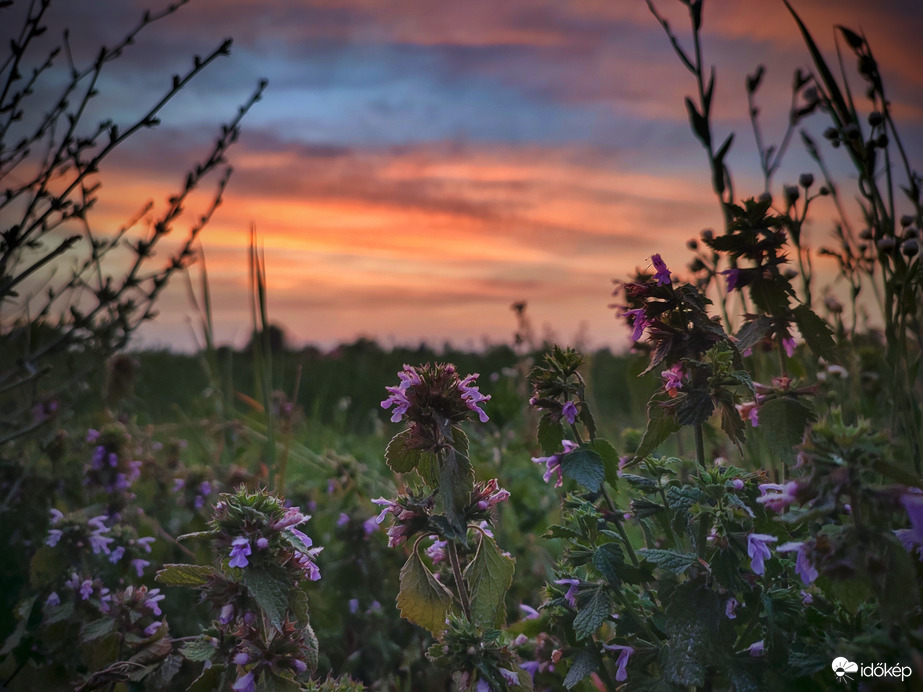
700,635
661,423
23,611
46,565
816,332
642,483
96,629
670,561
753,332
209,680
732,424
270,594
200,649
400,457
558,531
185,575
782,423
610,459
899,592
456,481
423,599
550,434
489,576
695,408
682,497
586,467
593,614
585,662
608,559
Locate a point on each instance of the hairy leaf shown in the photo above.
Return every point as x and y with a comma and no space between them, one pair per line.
400,457
270,594
753,332
585,662
610,459
782,423
661,423
608,559
670,561
456,481
422,598
586,467
550,434
489,577
816,332
200,649
695,408
185,575
96,629
593,614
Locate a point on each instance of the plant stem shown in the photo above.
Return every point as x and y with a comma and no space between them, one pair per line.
459,580
699,446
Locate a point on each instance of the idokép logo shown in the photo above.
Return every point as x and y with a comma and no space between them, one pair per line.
845,670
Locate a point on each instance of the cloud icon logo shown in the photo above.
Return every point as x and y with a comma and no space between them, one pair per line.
841,666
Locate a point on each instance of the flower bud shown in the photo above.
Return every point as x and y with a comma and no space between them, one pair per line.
766,198
806,180
875,119
708,234
852,131
831,133
886,244
865,234
906,220
791,194
910,247
790,274
882,141
692,244
824,190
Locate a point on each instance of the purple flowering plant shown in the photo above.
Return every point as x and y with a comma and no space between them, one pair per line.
460,595
261,633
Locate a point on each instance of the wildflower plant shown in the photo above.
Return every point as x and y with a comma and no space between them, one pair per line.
465,609
260,637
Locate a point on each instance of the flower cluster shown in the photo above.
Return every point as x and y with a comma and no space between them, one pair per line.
411,516
434,391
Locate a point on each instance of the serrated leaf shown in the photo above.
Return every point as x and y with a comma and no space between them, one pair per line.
593,614
643,483
695,408
661,423
610,459
681,497
816,332
456,481
558,531
200,649
209,680
753,332
608,559
670,561
422,598
550,434
489,576
185,575
700,635
732,424
585,662
399,455
585,466
96,629
270,594
782,423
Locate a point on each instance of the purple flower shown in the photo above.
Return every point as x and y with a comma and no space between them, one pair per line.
227,612
398,398
262,543
509,677
306,562
730,607
482,686
789,345
241,658
571,595
139,566
370,525
100,543
54,535
245,683
145,543
472,396
205,488
152,628
98,455
530,612
389,506
733,278
662,277
86,589
569,411
553,462
803,566
153,598
53,600
673,379
758,550
749,410
737,484
178,484
912,538
777,497
298,665
293,517
806,598
343,519
116,554
531,667
240,548
56,515
436,551
92,435
621,663
304,538
639,322
756,648
353,605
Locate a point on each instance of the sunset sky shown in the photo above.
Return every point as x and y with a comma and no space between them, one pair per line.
416,166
